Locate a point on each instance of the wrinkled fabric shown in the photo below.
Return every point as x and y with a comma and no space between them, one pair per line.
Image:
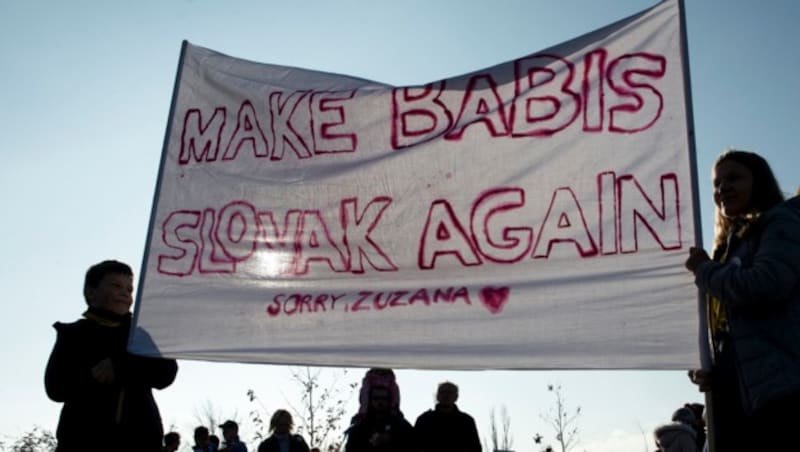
533,214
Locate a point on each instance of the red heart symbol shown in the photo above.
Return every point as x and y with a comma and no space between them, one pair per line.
494,298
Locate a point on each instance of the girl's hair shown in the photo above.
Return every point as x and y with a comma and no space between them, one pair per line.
276,417
766,191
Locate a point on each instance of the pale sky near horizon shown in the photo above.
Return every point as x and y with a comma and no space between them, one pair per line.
85,93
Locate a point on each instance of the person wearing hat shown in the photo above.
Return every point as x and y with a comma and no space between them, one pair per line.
230,431
679,435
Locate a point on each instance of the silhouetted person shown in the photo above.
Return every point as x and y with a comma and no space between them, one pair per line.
106,391
230,432
202,441
446,428
699,425
282,439
172,441
381,429
752,288
680,435
378,376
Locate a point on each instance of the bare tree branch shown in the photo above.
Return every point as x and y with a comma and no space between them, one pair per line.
562,420
502,440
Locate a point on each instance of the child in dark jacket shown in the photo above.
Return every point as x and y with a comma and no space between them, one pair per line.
106,391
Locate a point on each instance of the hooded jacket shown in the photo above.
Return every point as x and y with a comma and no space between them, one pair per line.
676,437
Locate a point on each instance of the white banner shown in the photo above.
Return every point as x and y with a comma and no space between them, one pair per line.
535,214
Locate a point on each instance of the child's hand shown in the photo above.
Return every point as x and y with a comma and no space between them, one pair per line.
696,257
701,378
103,372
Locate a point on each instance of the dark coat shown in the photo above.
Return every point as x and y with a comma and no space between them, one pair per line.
390,434
440,431
119,416
296,444
759,289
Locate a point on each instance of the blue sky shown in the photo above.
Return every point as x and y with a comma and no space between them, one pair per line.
85,93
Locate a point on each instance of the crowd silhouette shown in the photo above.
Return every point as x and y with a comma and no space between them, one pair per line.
378,426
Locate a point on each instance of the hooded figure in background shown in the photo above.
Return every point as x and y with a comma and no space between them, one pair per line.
381,429
679,435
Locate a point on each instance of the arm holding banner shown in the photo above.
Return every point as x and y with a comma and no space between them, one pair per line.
753,305
101,386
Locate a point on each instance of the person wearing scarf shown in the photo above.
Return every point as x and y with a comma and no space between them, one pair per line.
106,392
752,287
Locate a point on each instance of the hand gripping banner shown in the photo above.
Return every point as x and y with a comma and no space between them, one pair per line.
534,214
